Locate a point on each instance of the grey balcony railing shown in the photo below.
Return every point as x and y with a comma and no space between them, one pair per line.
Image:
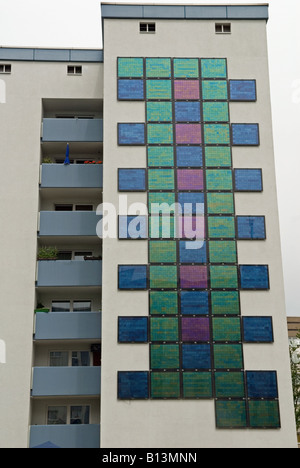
69,273
72,130
68,223
66,436
66,381
68,326
72,176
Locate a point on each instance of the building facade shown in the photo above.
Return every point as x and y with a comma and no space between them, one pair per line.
158,316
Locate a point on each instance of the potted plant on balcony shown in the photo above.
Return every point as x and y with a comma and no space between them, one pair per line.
47,161
41,308
47,253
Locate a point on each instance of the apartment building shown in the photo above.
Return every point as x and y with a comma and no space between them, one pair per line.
131,336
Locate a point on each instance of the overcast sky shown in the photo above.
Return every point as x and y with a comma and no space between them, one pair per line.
77,24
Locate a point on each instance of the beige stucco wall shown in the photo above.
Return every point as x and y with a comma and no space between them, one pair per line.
20,152
186,424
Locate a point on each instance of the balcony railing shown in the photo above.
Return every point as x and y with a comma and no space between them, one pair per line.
72,130
68,326
66,381
68,223
66,436
72,176
69,273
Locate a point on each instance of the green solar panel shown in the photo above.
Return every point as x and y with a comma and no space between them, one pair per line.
163,303
227,329
213,68
228,356
215,112
214,90
164,329
197,385
164,356
162,201
222,252
264,414
159,111
130,67
225,303
217,156
158,68
163,277
221,227
229,385
161,179
223,277
219,179
186,68
231,414
160,156
162,252
160,134
165,385
220,203
162,227
159,89
216,134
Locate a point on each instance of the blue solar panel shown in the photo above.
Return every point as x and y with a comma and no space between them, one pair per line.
131,134
187,111
194,303
189,156
242,90
262,385
131,90
257,330
245,134
251,227
254,277
191,203
196,356
133,385
132,180
132,277
192,252
133,330
133,227
248,180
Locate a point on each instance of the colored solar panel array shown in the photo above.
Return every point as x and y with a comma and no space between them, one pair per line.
194,325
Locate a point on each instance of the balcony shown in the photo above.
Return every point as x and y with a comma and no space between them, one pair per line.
66,381
68,326
72,130
64,273
68,223
66,436
72,176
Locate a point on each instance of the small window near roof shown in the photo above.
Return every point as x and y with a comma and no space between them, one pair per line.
74,70
223,28
5,68
147,27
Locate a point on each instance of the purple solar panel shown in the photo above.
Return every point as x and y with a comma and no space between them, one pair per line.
193,277
190,179
186,89
188,134
195,329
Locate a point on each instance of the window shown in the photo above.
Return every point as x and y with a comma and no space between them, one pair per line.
84,207
82,306
223,28
81,255
61,306
74,70
64,255
5,68
69,306
79,415
63,207
68,415
69,359
147,27
59,358
57,415
80,359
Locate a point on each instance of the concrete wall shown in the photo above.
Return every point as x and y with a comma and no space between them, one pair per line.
20,152
190,423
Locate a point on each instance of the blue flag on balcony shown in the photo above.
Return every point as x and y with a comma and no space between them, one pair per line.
67,160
